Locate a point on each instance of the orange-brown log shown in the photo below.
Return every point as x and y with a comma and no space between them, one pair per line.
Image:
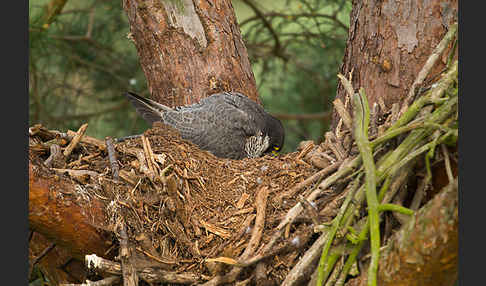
57,264
55,213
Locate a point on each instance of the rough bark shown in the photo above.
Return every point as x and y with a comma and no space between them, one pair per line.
425,251
389,42
190,49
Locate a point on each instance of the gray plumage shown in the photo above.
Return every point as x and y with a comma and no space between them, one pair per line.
229,124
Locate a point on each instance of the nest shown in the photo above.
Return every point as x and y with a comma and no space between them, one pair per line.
182,208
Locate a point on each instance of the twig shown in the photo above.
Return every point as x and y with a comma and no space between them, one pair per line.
337,269
261,202
77,173
112,157
343,113
75,140
303,266
130,277
151,275
316,177
88,140
447,163
395,208
54,156
311,211
149,155
121,139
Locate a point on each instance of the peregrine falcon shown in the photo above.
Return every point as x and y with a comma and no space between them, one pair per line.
228,124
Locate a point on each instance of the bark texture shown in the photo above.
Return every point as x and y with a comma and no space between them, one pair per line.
388,43
190,49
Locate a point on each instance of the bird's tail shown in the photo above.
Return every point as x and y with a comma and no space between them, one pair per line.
150,110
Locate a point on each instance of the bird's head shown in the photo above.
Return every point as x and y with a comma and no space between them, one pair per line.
275,131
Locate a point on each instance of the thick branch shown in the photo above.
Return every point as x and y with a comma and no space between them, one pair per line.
55,212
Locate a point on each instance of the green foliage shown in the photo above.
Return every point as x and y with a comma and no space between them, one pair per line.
80,65
82,62
296,63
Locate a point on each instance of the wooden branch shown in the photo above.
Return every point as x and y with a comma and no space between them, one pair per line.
112,157
63,219
151,275
75,140
130,277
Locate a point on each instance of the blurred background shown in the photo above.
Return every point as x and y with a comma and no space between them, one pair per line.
81,62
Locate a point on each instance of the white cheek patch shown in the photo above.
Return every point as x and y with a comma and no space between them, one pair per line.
256,145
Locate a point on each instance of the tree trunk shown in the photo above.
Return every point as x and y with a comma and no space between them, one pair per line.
389,43
189,50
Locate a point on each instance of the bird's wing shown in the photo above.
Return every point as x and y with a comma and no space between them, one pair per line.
214,124
150,110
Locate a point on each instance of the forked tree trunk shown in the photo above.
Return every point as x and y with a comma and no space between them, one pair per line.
191,49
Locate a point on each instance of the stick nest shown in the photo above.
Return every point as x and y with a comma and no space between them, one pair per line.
182,205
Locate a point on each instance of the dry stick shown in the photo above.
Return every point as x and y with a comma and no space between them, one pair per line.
75,140
112,157
447,163
316,177
148,154
424,72
104,282
344,115
86,139
130,277
290,245
303,266
55,153
311,210
77,173
147,274
261,204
